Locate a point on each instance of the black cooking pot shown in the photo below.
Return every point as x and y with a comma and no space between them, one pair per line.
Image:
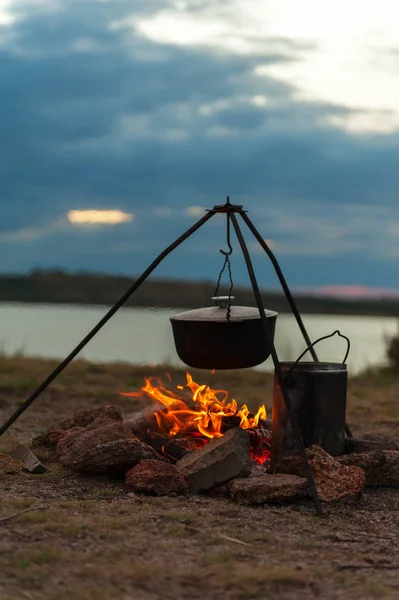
222,336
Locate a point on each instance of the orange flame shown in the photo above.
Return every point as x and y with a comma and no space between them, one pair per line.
202,413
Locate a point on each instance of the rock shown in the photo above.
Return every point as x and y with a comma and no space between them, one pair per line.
381,468
66,442
114,457
82,418
101,421
71,435
219,461
268,489
155,477
257,470
9,465
357,446
78,443
378,437
104,446
333,480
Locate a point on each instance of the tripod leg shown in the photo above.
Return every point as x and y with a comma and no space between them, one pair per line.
287,291
104,320
282,280
277,367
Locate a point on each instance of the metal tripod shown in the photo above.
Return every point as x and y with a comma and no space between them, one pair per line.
231,210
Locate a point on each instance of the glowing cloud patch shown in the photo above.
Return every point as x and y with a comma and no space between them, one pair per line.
99,217
340,52
195,211
6,18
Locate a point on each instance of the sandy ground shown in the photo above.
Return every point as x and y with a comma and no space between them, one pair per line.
93,539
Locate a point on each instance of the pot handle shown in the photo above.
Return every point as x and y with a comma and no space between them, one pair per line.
325,337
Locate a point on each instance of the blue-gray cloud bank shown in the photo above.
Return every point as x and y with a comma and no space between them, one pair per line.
96,116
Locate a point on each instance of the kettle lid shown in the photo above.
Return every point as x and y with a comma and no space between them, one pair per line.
218,313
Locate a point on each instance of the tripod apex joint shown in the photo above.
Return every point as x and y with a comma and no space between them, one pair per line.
227,208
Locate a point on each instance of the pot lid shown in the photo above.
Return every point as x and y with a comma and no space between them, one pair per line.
219,312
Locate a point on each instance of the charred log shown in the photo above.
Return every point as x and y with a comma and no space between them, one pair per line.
172,448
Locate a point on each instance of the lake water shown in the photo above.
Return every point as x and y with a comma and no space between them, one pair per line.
144,336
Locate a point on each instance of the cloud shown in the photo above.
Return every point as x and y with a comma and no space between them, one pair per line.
99,217
32,234
357,291
317,229
338,61
224,26
98,111
195,211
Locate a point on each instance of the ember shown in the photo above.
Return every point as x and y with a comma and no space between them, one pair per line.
201,414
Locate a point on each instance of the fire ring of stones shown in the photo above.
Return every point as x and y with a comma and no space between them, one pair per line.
102,442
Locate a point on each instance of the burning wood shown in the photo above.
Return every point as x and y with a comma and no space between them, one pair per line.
197,415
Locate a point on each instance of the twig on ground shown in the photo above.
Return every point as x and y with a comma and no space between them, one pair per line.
385,566
233,539
147,588
20,512
26,594
360,537
219,535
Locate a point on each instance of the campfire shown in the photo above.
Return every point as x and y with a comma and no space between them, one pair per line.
192,439
206,440
195,414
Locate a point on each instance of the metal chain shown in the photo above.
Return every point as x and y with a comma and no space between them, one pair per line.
228,265
220,276
228,311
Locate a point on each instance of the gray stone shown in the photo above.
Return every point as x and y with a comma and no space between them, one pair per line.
268,489
218,462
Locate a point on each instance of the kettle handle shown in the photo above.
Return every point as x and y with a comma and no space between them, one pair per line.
223,301
325,337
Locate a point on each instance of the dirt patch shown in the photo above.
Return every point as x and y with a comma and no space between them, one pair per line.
95,539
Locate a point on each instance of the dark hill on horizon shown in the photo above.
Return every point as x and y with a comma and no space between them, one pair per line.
60,287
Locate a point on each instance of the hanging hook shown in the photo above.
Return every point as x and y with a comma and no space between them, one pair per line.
230,250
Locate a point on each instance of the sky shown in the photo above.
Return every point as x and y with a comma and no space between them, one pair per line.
122,121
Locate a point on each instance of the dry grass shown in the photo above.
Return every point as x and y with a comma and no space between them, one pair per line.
95,541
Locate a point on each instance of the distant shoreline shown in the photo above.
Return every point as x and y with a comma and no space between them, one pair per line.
57,287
